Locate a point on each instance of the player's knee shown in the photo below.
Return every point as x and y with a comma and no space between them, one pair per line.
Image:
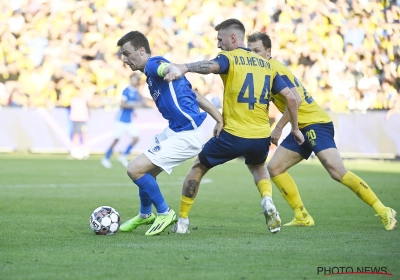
131,170
336,173
198,167
274,169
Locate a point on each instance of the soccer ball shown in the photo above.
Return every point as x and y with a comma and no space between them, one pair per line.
105,220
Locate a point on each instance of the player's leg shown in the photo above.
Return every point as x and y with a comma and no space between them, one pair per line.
75,147
216,151
263,183
189,192
118,131
255,157
169,150
85,148
145,216
333,163
143,173
288,154
132,131
105,161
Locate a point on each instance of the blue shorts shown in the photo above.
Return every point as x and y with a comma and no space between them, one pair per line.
318,137
227,147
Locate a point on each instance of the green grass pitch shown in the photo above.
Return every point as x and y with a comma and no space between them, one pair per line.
46,201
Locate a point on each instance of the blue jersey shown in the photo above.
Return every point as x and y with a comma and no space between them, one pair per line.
176,100
129,95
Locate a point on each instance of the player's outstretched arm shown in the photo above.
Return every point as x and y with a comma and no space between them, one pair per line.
171,72
277,132
292,107
200,67
212,110
203,67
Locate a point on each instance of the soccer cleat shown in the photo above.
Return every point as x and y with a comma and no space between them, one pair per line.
106,163
388,218
307,222
181,227
137,221
162,222
271,215
122,159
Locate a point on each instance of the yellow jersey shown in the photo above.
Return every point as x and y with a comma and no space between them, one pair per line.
248,84
309,111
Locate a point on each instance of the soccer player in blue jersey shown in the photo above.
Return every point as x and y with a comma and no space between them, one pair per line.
181,140
318,130
249,80
130,99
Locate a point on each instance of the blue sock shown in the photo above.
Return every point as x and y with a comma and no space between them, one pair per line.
108,153
149,186
128,149
145,203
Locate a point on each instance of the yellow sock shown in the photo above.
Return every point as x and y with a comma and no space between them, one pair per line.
186,204
265,187
286,185
363,191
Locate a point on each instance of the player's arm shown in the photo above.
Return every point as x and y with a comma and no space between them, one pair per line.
292,107
277,132
214,113
127,105
219,65
280,87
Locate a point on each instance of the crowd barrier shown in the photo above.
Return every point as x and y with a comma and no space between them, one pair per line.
357,135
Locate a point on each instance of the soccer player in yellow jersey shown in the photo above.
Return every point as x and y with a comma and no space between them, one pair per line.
318,130
249,80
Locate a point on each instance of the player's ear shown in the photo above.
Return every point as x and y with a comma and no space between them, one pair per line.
233,37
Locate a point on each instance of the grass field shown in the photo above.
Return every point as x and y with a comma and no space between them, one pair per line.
46,201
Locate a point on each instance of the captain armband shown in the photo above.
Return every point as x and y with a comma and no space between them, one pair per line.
160,69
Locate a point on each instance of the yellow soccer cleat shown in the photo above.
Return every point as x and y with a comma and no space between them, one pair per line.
388,218
306,222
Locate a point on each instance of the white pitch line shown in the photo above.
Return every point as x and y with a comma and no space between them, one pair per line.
89,185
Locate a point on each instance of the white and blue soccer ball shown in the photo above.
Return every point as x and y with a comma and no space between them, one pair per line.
105,220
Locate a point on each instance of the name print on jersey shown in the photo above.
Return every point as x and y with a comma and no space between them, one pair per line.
251,61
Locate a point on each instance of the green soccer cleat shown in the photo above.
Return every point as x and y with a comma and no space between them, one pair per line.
388,218
306,222
162,222
137,221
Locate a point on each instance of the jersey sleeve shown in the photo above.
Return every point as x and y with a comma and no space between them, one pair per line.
223,62
278,84
287,81
124,96
152,66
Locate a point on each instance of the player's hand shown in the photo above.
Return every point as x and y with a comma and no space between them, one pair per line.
275,135
174,75
217,129
298,136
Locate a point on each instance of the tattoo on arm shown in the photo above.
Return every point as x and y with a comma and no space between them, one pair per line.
201,67
191,189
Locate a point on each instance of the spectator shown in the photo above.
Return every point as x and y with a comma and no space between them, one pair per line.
41,38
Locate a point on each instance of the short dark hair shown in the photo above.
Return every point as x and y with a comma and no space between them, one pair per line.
265,39
232,22
136,39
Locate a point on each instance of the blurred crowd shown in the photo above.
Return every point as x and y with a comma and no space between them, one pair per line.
346,52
